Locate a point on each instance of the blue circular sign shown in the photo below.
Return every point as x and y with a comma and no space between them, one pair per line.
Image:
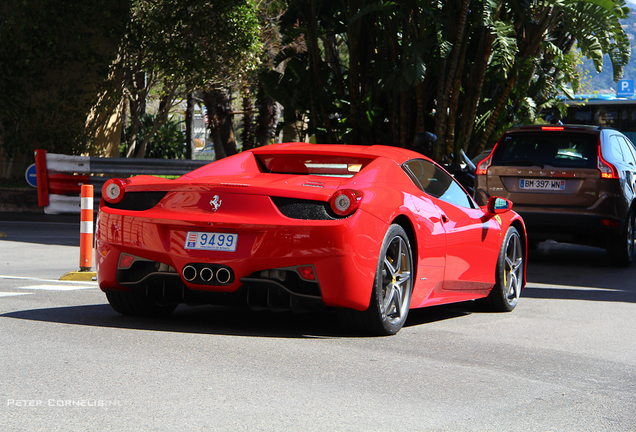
31,176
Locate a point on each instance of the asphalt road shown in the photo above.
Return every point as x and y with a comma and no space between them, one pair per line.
563,360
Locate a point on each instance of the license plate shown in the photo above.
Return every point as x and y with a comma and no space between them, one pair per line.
211,241
536,184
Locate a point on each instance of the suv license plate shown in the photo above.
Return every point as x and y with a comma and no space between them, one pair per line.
535,184
211,241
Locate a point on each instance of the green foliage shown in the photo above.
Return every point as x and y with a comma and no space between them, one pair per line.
167,143
350,71
603,80
182,46
381,71
504,48
54,58
193,41
56,62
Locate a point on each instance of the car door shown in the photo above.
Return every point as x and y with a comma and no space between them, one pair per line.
431,249
472,239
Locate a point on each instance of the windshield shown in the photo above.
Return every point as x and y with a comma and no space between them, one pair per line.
559,149
325,165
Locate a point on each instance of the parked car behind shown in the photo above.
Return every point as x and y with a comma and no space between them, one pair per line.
570,183
205,153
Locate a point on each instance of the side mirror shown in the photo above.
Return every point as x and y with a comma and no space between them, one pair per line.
498,205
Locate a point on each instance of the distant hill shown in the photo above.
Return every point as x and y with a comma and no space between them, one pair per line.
604,82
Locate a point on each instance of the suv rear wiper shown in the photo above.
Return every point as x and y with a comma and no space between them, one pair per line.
522,163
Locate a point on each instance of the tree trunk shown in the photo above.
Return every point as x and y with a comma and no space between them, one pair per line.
189,121
266,121
493,118
473,92
420,124
454,101
160,119
319,114
218,104
357,62
448,81
213,123
477,78
441,116
248,119
137,109
404,126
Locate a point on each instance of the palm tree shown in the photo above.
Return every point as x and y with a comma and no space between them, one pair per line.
547,31
382,71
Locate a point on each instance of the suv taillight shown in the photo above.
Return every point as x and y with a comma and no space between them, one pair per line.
608,171
482,167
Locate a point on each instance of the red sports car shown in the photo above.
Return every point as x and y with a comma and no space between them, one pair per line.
368,230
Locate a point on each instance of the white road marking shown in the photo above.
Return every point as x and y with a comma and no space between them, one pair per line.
48,285
48,281
9,294
56,287
531,285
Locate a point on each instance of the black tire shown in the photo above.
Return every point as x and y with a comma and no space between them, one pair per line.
392,288
621,250
135,303
509,277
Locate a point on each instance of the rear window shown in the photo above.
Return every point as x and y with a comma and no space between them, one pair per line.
555,149
325,165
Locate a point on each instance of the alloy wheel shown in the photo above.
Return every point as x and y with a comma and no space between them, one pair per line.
396,276
513,270
630,236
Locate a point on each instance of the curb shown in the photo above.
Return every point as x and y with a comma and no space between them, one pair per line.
86,276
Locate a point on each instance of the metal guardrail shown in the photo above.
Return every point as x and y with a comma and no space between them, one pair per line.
59,177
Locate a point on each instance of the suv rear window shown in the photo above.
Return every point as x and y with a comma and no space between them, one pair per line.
555,149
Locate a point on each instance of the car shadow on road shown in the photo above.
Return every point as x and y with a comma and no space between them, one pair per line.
572,272
433,314
206,319
223,320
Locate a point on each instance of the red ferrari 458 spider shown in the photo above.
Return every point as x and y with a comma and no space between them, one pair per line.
370,231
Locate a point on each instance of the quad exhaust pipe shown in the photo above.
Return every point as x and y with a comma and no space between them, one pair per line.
223,275
189,273
207,274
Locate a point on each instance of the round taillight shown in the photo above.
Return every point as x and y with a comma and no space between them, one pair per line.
114,190
344,202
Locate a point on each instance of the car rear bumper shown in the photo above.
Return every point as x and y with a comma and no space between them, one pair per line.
342,253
